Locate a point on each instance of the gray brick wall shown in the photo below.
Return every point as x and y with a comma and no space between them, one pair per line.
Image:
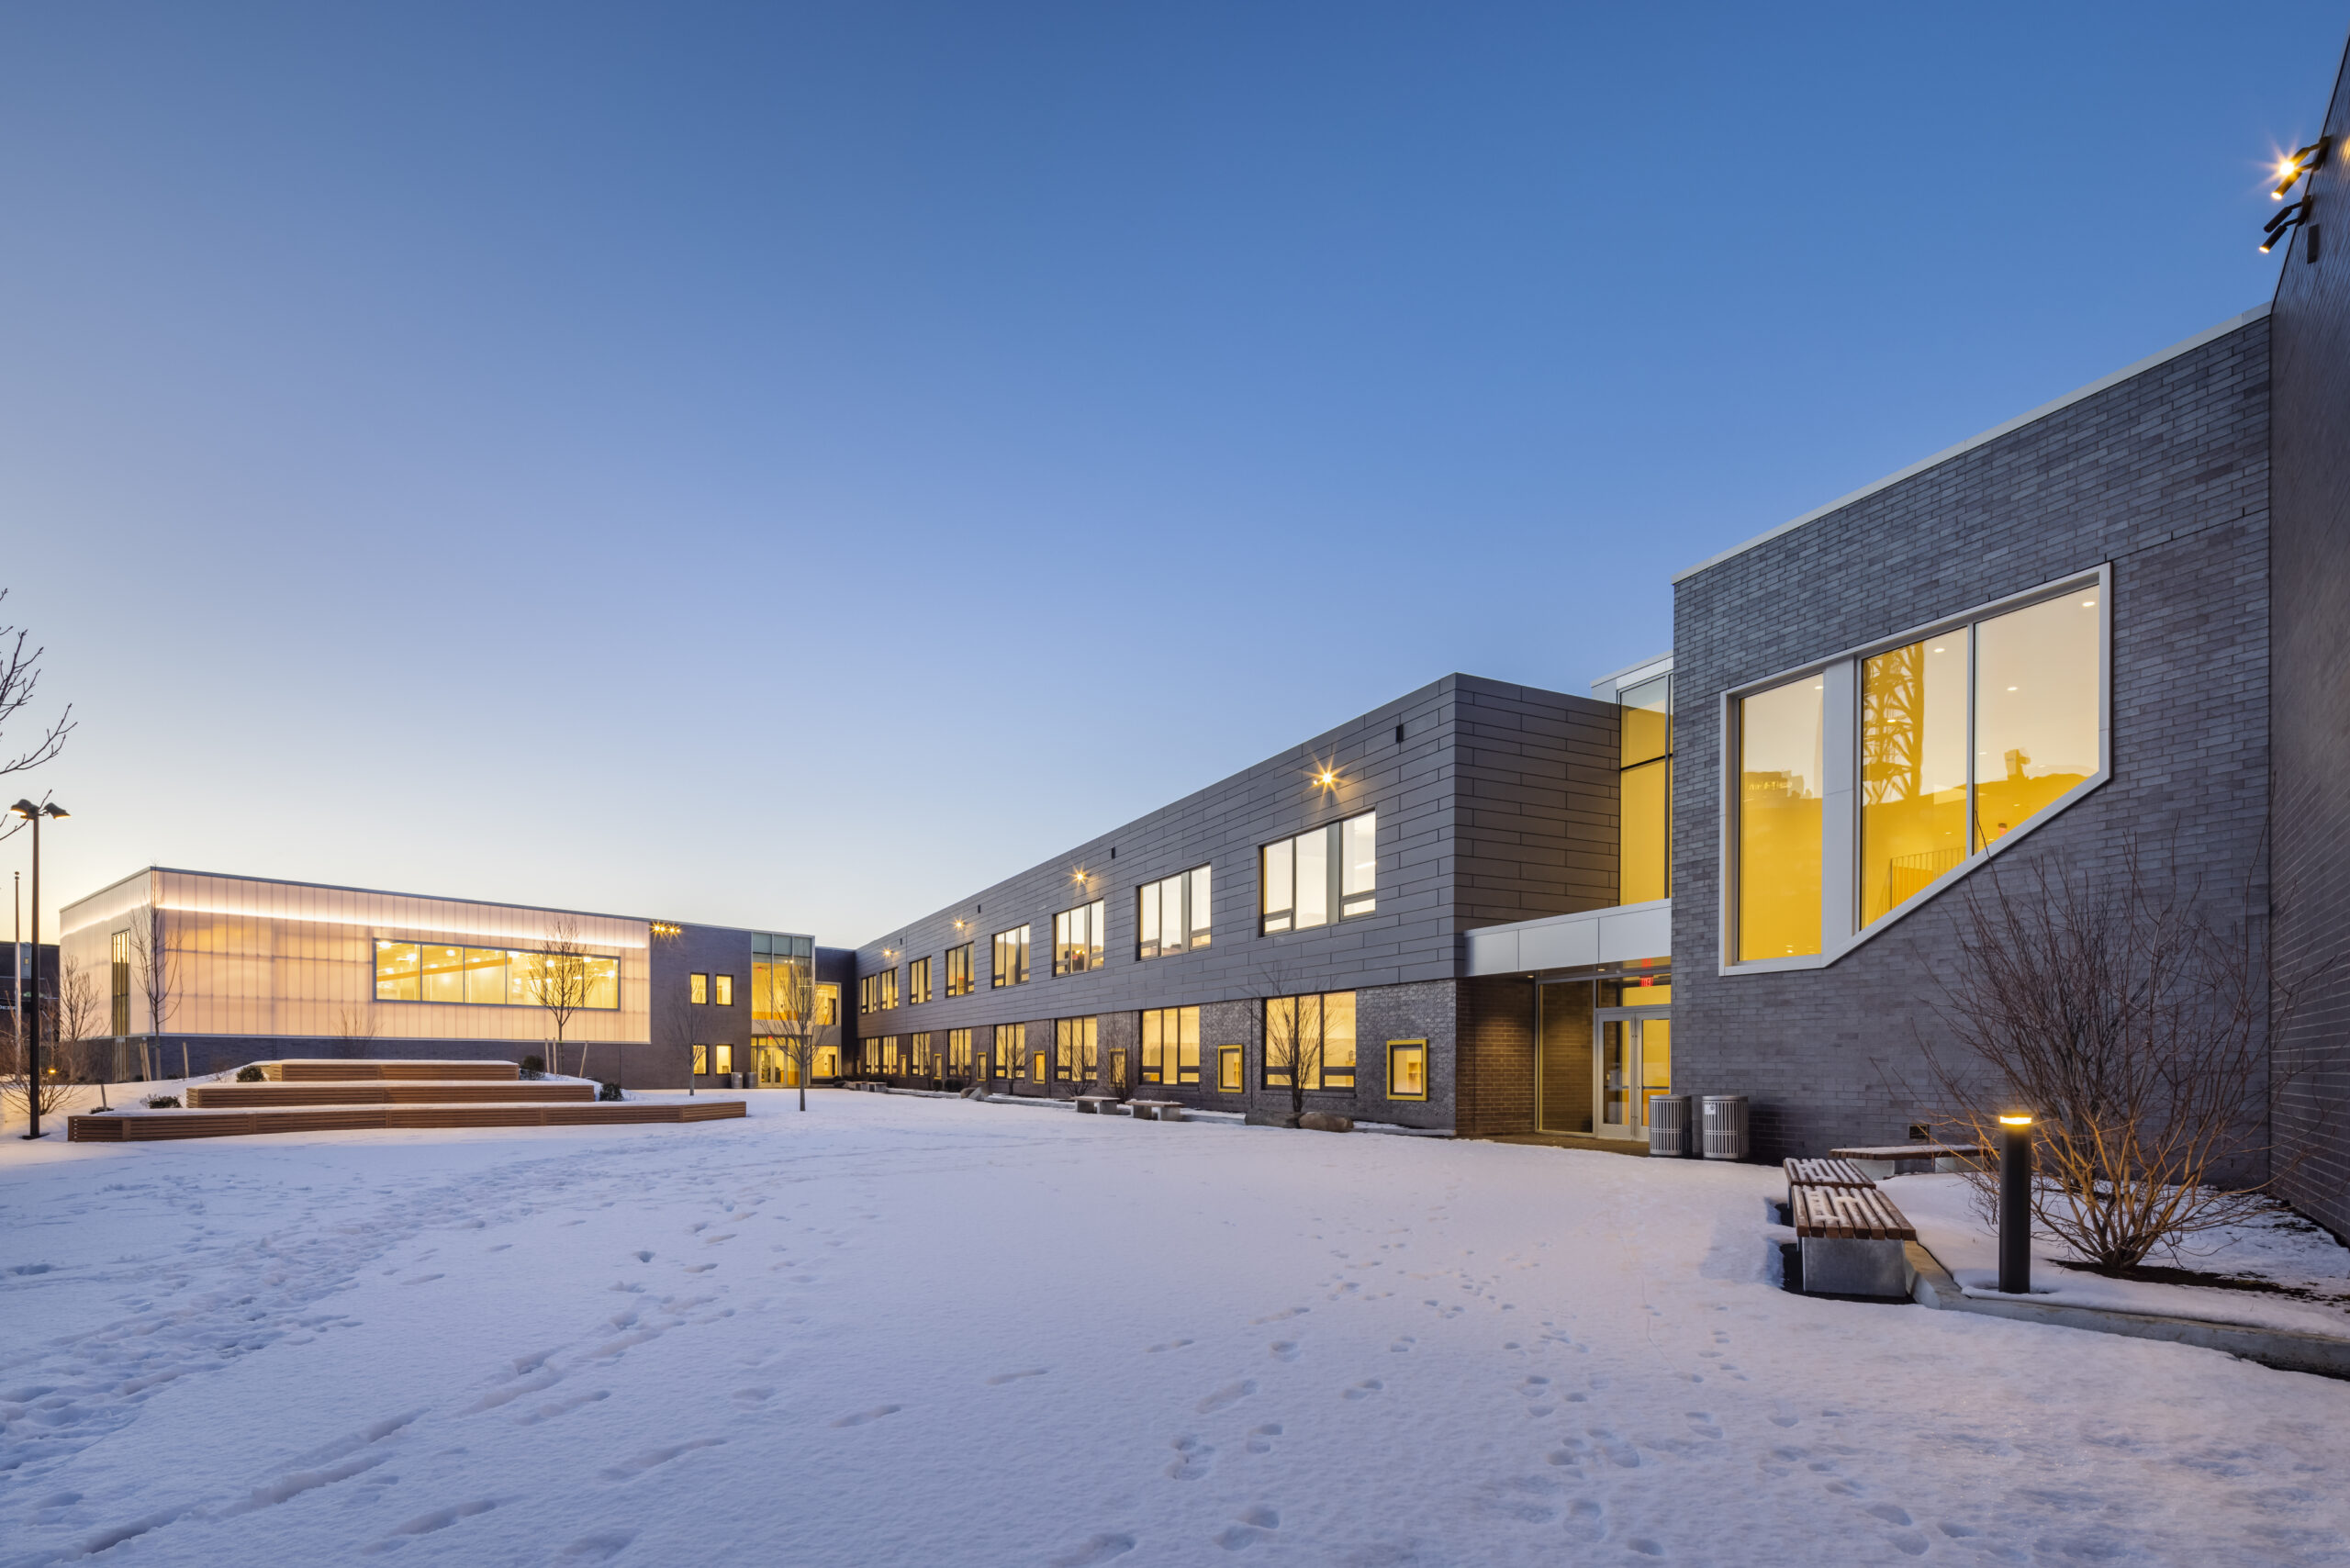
2309,563
2166,475
1497,803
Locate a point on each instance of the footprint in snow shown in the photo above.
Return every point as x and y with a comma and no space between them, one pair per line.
1364,1389
1001,1378
753,1396
1171,1345
604,1543
643,1255
863,1417
653,1459
1260,1438
1285,1349
1190,1460
1230,1394
426,1524
1254,1524
1090,1554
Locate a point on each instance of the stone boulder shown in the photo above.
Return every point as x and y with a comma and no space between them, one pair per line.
1325,1122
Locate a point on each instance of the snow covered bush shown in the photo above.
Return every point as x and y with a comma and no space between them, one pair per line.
250,1074
607,1091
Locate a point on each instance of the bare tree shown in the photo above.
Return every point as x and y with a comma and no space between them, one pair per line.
2131,1021
1293,1053
71,1020
789,997
355,1028
19,679
560,984
156,971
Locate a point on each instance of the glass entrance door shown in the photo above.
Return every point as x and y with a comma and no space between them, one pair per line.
1632,1059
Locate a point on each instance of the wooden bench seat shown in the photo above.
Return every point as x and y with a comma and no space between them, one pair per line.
1824,1173
378,1091
1849,1213
316,1071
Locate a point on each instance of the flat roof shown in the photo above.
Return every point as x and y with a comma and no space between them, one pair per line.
1994,434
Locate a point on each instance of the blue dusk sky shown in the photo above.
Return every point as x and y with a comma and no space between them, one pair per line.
792,465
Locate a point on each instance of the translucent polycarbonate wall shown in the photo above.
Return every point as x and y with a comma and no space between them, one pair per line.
249,956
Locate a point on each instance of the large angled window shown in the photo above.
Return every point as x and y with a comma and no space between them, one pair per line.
1644,777
1913,769
1779,799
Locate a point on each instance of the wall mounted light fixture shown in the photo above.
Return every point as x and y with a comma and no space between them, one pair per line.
2303,162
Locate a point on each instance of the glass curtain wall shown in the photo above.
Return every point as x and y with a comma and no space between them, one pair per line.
1644,834
1779,803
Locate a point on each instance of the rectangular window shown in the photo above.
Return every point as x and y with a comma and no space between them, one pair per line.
1011,957
1313,1037
1229,1074
1913,769
1171,914
698,990
1779,803
828,1005
890,1053
722,989
1170,1045
959,1051
918,1054
1011,1046
917,983
1076,1056
492,977
1644,780
889,990
959,970
722,1059
868,994
701,1061
1407,1069
120,960
1304,878
1077,939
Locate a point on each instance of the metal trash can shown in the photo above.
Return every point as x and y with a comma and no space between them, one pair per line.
1725,1125
1669,1125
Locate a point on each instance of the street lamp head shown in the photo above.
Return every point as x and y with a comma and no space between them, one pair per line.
25,809
54,809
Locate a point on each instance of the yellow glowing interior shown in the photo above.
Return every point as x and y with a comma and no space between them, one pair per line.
1913,770
1779,849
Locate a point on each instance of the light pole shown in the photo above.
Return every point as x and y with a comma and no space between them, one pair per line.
28,811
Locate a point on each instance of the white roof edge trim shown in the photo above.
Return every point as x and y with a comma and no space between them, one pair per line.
1632,669
2188,345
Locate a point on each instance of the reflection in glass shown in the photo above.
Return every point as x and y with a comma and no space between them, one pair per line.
1656,1059
1171,1045
1615,1064
1913,769
1278,883
1313,879
1645,844
1779,820
1359,862
2035,710
1647,720
444,973
1200,908
396,971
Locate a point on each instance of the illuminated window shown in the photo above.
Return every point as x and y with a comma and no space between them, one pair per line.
1637,990
1644,831
1779,801
917,983
1302,879
1076,1056
889,990
722,1059
698,990
1010,1047
1229,1070
1407,1069
828,1005
1913,769
1077,939
119,957
890,1053
701,1061
1312,1037
959,970
1011,957
1171,914
722,990
410,971
918,1053
2036,685
959,1051
1170,1045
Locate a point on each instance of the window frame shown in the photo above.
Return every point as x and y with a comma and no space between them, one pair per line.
1422,1047
722,990
1334,874
1840,864
1322,1084
697,989
1090,954
918,980
1197,932
958,976
996,978
1174,1077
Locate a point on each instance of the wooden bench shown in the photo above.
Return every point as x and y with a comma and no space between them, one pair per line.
1852,1240
1821,1173
1878,1161
1093,1104
1156,1110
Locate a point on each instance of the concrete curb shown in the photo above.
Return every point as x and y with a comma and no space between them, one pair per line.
2284,1349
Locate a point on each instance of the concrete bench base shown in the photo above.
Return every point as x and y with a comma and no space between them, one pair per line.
1832,1267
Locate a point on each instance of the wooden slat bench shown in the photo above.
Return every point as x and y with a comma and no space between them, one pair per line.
330,1072
1853,1241
1821,1173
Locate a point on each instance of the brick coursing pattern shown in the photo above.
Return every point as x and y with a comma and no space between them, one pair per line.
2166,475
2310,664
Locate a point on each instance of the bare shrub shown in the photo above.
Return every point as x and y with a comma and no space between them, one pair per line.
2131,1021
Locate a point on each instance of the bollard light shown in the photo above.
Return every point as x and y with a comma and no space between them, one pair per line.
2015,1205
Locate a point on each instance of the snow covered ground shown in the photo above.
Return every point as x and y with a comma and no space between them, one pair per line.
927,1332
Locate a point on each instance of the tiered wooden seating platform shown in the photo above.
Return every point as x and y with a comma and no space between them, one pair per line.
336,1096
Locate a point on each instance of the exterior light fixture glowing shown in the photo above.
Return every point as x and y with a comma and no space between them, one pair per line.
2015,1204
2284,222
2303,160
